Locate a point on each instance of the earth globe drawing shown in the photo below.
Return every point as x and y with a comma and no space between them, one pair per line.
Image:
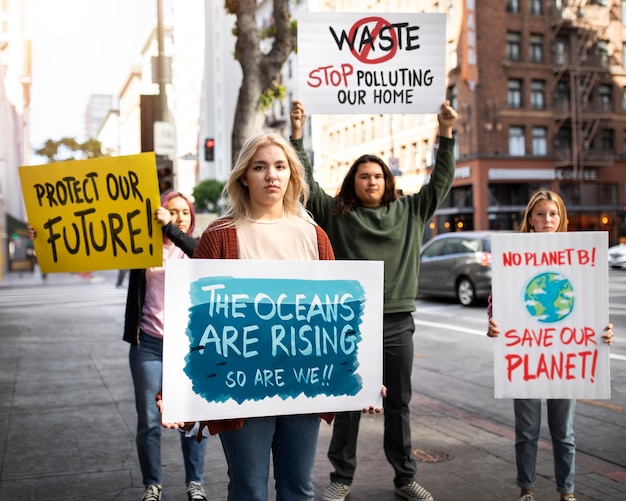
549,297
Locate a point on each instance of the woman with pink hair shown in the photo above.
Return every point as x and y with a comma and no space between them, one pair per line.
143,329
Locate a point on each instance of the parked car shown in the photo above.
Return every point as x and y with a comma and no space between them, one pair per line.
617,256
457,265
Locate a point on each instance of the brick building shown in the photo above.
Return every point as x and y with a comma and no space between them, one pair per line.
541,89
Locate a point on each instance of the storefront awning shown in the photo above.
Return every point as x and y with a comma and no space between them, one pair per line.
14,225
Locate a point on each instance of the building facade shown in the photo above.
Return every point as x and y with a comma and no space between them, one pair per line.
541,89
540,86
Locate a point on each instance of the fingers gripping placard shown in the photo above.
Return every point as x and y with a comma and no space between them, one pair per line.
94,214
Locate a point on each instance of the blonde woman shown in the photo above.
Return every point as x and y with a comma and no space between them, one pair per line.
545,213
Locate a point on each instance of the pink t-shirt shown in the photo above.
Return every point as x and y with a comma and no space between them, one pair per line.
152,311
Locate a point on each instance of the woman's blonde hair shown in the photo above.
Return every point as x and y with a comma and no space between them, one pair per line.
544,194
237,195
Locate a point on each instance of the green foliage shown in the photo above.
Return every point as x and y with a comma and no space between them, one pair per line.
206,195
70,149
279,92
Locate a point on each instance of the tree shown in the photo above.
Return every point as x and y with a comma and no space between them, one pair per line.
70,149
207,194
261,72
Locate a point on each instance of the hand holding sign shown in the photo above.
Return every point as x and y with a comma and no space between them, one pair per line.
387,63
94,214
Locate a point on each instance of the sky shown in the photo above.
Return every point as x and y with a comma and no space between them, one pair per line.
80,48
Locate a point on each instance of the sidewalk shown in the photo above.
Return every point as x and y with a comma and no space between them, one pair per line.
27,279
67,423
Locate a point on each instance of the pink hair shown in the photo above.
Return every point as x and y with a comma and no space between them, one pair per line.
166,197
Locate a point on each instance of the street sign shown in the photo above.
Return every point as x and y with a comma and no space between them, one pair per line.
164,138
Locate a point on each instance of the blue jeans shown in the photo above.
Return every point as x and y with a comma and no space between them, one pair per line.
292,441
527,428
146,367
398,329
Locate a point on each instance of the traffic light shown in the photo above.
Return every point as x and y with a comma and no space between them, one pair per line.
209,149
165,174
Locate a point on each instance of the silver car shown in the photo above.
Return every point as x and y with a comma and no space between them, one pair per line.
617,256
457,265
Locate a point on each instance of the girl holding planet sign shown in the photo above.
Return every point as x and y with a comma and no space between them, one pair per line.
545,213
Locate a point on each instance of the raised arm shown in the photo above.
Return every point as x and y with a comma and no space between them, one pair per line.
447,118
297,118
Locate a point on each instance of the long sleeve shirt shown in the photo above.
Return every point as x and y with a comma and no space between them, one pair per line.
392,234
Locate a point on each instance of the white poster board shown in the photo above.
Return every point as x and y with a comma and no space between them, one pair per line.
371,63
550,300
248,338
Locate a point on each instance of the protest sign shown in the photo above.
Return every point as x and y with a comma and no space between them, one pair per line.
250,338
371,63
95,214
550,300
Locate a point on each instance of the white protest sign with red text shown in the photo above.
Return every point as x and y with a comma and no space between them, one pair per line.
371,63
550,300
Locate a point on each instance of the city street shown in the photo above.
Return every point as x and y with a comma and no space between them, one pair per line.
67,413
455,365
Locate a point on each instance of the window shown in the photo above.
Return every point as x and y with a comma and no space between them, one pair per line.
606,141
538,94
536,48
604,97
540,141
514,95
563,143
560,51
623,11
534,6
603,53
428,154
623,98
513,45
452,96
562,96
624,55
516,141
512,6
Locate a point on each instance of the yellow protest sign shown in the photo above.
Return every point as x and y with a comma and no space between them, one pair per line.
95,214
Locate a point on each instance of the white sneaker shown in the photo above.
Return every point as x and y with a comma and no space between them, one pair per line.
195,492
414,491
336,491
152,493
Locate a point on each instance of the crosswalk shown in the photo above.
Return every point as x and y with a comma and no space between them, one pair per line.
62,295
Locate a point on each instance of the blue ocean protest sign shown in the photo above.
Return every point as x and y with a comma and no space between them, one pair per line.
253,338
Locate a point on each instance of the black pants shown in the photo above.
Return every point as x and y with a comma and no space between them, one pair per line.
398,329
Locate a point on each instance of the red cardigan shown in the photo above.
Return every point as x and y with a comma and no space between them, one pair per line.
221,243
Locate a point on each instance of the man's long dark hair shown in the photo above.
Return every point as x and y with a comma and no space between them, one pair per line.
347,194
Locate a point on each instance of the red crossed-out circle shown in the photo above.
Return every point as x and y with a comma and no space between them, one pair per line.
365,53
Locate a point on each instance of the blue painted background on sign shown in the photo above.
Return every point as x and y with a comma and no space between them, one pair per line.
252,338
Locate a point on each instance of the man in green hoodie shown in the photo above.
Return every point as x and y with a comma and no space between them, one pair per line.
367,221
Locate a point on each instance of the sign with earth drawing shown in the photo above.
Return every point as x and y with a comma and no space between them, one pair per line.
247,338
550,300
371,63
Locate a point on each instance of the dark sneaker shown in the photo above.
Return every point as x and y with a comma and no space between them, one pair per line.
152,493
413,491
195,492
336,491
